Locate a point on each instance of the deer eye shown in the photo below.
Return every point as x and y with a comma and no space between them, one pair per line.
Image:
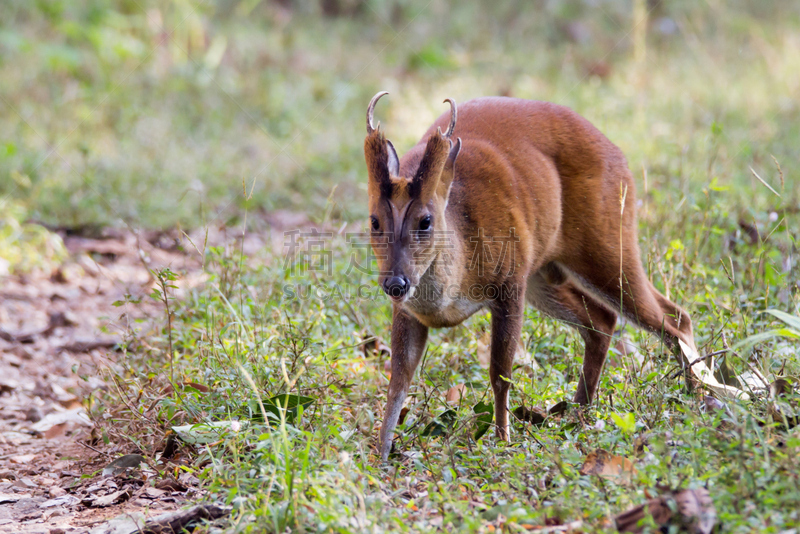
425,223
375,224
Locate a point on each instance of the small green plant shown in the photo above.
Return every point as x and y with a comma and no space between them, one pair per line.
162,294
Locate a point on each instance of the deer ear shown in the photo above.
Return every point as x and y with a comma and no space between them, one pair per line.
382,162
426,181
449,171
394,162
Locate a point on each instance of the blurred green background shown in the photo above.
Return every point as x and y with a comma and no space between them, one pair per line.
153,113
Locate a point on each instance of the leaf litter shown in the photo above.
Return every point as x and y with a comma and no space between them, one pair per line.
59,333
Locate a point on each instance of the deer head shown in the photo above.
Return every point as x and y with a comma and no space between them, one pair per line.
407,212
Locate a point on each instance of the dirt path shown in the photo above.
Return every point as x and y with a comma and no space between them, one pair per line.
59,336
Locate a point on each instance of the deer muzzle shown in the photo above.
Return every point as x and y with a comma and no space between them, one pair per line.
396,287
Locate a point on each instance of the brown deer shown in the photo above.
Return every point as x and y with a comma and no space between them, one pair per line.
530,203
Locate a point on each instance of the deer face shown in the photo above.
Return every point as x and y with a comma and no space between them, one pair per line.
407,213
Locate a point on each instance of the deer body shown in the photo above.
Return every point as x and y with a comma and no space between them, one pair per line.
531,204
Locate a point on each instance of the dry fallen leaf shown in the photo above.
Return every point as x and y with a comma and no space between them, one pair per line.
104,247
558,408
374,346
74,418
154,493
169,484
752,381
780,409
123,463
534,416
690,510
640,442
455,393
65,398
608,466
55,431
713,405
779,388
572,526
182,520
199,387
6,498
111,498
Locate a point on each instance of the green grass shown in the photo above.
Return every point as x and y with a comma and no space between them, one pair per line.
255,337
108,120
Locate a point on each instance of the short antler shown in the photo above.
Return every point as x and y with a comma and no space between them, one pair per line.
371,110
453,116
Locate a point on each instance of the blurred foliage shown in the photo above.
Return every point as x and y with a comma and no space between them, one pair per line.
26,247
152,113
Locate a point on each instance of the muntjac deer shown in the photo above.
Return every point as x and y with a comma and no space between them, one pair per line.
530,203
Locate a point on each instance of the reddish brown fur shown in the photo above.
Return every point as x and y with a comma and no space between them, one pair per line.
548,174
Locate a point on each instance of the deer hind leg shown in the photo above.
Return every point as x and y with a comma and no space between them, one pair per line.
631,294
678,318
552,293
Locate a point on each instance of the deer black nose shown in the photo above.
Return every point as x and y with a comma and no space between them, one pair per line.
396,286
